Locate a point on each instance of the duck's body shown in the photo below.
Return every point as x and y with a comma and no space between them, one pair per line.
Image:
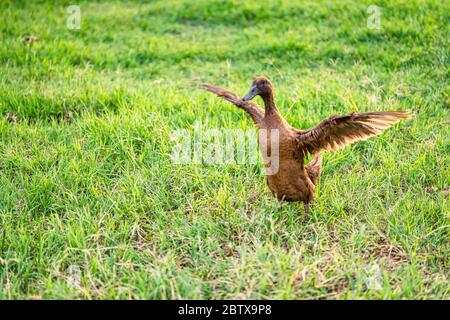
292,179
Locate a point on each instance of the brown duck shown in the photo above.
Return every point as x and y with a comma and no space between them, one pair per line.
293,180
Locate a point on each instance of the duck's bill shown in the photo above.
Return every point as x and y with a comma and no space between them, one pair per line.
251,94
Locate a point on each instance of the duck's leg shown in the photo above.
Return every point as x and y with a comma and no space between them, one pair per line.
306,205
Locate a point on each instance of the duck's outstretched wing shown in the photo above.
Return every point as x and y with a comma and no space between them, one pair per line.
250,107
336,132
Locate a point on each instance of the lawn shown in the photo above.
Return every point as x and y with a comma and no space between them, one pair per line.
93,207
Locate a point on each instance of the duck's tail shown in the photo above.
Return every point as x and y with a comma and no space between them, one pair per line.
314,168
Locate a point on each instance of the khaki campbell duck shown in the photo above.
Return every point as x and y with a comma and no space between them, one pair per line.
293,180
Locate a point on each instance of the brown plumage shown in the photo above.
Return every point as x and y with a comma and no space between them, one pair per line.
294,180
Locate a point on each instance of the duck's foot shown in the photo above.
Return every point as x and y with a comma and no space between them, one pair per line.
306,212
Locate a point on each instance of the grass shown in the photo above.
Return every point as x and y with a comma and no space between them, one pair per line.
88,190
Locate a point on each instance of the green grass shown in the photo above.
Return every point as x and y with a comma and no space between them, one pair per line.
86,179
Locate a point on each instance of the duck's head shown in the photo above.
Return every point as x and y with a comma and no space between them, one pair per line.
261,86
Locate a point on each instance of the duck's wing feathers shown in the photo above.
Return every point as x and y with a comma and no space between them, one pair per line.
336,132
250,107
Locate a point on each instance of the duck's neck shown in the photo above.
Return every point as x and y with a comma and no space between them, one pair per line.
269,103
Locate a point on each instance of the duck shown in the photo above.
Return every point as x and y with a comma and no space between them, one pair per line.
291,179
